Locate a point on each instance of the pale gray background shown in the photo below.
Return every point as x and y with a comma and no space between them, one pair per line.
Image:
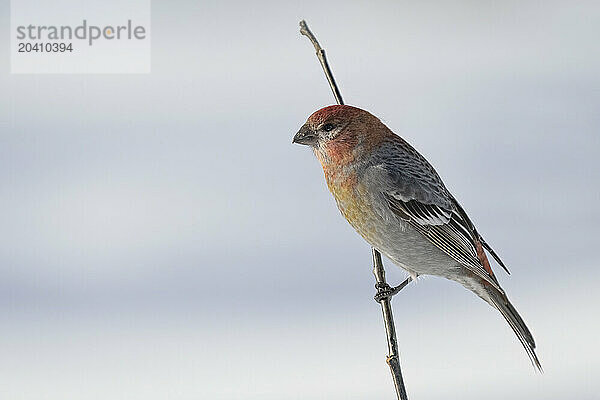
162,239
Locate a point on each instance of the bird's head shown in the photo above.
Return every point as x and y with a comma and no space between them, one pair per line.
327,124
339,130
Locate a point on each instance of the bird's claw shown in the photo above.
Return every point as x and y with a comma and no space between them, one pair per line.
385,291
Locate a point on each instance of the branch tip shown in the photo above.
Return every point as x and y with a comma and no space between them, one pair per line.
305,30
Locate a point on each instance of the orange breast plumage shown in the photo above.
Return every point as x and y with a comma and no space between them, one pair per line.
352,197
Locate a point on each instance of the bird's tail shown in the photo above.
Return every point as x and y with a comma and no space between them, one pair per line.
499,301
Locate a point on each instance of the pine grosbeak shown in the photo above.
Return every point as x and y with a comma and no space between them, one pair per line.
397,202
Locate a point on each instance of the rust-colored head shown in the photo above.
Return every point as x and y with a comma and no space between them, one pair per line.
339,130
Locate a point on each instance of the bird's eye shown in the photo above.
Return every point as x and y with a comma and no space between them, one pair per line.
328,127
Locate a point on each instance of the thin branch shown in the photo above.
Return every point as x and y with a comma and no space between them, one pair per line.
393,358
323,60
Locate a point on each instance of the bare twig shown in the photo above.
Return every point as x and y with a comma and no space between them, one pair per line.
323,60
393,359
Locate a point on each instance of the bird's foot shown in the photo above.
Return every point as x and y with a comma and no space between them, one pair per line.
385,291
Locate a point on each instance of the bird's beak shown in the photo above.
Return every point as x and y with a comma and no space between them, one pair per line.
305,136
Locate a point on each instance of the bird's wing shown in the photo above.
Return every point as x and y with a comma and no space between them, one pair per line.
415,193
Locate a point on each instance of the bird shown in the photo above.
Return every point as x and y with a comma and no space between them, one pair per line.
394,198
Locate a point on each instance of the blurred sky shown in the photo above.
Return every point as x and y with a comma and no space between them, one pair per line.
161,237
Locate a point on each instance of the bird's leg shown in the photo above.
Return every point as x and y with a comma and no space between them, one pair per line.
385,291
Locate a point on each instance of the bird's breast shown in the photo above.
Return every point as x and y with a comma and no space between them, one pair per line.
353,200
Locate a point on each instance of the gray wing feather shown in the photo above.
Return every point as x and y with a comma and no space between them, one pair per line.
415,192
